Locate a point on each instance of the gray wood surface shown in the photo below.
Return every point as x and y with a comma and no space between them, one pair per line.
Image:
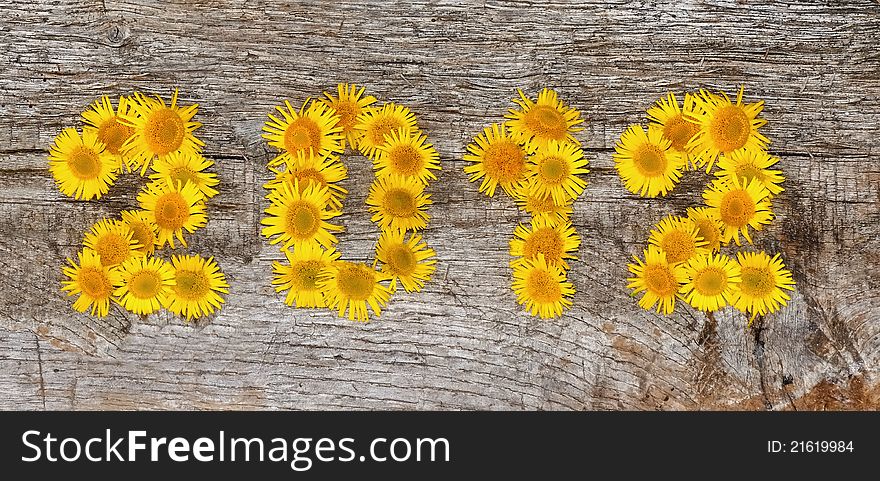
463,343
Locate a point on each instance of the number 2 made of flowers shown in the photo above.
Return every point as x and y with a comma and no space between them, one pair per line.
305,196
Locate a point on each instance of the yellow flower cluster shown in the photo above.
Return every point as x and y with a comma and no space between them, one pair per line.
536,160
118,259
305,197
682,259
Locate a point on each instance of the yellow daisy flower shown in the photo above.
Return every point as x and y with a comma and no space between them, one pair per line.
113,241
351,287
173,208
405,153
748,164
309,169
159,129
409,261
144,231
349,103
763,280
92,280
144,284
82,167
198,283
710,281
678,237
399,203
541,207
675,121
646,162
102,119
498,159
708,226
374,124
739,206
657,278
299,216
313,129
555,241
554,171
299,277
542,287
534,124
182,168
725,126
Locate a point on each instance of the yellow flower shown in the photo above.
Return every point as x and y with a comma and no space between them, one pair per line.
405,153
646,162
159,129
351,287
112,241
409,261
679,238
173,208
313,129
299,216
555,241
182,168
144,284
398,203
90,279
675,121
82,167
739,206
144,231
725,126
374,124
299,277
542,287
763,280
198,283
657,278
102,119
710,281
348,104
498,159
748,164
708,226
541,207
534,124
307,170
554,171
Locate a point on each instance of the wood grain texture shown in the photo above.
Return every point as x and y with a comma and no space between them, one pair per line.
463,343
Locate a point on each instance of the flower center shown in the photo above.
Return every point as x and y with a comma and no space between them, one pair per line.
737,208
504,161
172,211
113,134
553,170
142,234
303,220
708,231
145,285
84,163
678,245
710,281
301,134
382,127
306,273
347,112
164,131
542,287
547,122
183,175
544,241
747,172
191,285
679,131
756,282
307,177
730,128
401,260
649,160
94,283
356,282
659,280
405,160
113,248
400,203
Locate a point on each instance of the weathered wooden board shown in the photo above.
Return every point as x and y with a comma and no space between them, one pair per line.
464,343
